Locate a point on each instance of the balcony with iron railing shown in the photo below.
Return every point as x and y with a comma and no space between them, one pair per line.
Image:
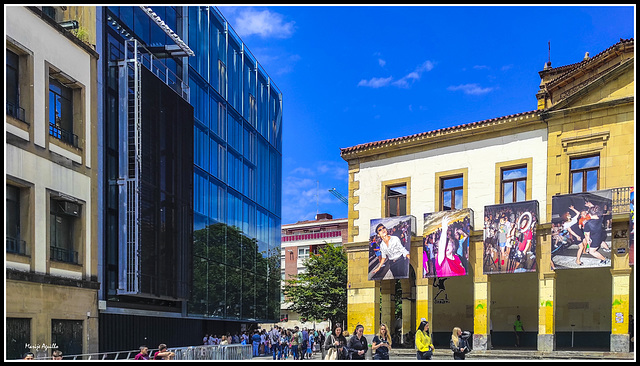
16,246
63,255
15,112
63,135
621,200
311,236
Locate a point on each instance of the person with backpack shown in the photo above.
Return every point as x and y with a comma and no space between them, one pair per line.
274,337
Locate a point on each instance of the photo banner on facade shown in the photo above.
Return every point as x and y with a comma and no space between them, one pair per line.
581,230
389,247
632,228
510,237
445,243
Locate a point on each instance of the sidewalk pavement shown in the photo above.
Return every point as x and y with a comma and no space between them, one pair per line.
498,354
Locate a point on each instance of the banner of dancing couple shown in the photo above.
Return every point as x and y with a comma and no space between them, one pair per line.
581,230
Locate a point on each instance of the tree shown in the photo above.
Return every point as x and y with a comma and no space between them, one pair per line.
321,291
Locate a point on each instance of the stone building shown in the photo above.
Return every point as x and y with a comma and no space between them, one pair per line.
51,261
585,111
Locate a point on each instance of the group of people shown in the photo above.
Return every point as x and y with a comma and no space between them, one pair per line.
161,354
213,339
55,355
586,228
446,250
509,240
282,343
337,346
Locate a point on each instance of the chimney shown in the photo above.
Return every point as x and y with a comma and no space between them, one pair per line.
324,216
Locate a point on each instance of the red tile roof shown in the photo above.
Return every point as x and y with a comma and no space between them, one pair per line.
424,134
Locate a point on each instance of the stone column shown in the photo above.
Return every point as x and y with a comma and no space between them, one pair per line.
407,314
481,294
388,307
621,292
363,296
546,291
424,289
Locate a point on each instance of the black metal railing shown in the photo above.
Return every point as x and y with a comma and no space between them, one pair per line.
621,200
16,246
63,135
63,255
15,112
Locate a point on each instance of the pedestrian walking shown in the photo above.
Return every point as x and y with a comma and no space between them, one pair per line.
335,344
518,329
357,344
424,345
274,337
255,341
458,344
381,344
295,342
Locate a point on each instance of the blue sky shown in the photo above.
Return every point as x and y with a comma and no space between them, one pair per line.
356,74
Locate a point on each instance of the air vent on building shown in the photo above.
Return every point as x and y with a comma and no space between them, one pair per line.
69,208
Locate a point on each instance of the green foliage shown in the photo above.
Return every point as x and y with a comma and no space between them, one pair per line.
321,291
82,34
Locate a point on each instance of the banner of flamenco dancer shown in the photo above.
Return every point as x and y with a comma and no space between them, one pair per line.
581,230
510,237
389,246
446,243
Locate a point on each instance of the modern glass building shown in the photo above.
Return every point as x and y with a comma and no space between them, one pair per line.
192,152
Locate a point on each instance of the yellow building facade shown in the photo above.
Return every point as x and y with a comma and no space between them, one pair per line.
584,109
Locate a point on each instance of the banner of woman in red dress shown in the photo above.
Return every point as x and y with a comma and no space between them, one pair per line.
446,243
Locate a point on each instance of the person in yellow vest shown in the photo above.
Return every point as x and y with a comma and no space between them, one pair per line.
423,341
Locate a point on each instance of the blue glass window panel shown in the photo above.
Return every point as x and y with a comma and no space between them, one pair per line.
592,180
201,152
141,24
521,193
248,188
508,193
263,126
452,182
447,200
234,172
458,195
577,182
249,145
234,136
126,14
508,174
589,162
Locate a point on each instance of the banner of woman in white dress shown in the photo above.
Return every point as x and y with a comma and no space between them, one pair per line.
581,230
446,243
389,246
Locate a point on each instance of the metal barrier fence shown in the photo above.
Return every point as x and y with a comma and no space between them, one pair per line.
215,352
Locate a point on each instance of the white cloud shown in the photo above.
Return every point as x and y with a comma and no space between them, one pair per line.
414,75
382,62
470,89
375,82
481,67
265,23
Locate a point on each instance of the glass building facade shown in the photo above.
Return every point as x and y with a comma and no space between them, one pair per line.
229,268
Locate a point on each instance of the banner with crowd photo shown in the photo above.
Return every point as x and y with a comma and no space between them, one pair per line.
632,228
510,237
581,230
446,243
389,247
